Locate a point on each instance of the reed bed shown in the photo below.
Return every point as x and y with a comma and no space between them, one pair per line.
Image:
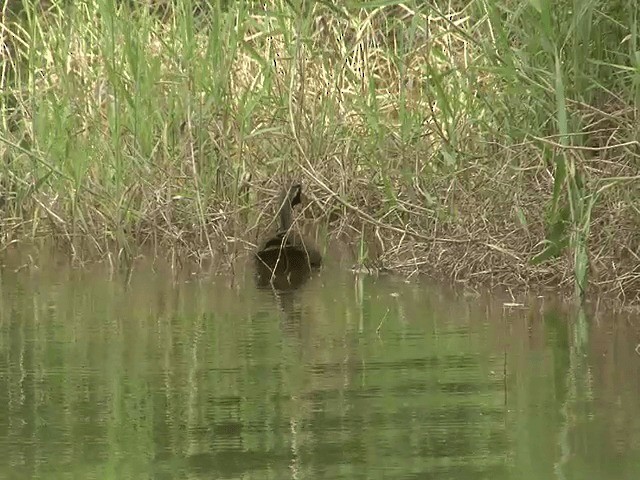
485,142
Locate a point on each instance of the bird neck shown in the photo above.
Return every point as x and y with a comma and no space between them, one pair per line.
285,214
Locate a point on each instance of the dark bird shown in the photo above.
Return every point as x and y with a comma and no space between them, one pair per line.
286,260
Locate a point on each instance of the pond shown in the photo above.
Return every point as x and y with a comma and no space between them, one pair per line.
351,376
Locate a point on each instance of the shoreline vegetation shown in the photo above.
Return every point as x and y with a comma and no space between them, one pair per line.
484,142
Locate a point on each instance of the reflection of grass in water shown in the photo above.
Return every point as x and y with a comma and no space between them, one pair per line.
462,139
173,377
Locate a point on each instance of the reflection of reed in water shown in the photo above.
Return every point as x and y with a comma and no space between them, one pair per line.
286,260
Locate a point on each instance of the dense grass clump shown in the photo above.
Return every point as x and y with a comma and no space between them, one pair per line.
486,140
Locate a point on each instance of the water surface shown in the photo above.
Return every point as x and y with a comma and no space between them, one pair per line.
349,377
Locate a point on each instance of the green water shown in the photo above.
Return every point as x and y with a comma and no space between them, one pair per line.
349,377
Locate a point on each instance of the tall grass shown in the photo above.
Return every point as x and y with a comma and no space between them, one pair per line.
488,140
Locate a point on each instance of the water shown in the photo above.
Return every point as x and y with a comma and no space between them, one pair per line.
348,377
